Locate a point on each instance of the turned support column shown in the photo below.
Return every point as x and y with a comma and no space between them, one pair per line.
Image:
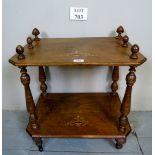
126,103
25,79
42,79
115,78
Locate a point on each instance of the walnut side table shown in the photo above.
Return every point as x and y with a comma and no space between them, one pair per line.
78,115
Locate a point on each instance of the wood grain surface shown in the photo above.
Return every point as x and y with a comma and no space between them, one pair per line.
85,115
106,51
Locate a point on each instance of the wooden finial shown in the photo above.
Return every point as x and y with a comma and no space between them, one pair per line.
125,40
134,50
36,32
29,42
119,30
20,50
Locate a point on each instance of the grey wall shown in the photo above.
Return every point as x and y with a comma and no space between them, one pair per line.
52,19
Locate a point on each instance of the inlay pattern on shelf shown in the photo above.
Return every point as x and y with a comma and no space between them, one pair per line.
77,121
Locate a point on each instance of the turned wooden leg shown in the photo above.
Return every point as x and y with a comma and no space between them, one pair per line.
25,79
42,79
120,142
115,78
38,142
126,103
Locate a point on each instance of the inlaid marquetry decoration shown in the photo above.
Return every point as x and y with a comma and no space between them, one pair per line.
78,121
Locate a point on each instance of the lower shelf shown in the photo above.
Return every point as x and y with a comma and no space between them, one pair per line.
78,115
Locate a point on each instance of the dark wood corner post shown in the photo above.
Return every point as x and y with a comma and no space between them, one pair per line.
115,78
126,103
25,79
42,79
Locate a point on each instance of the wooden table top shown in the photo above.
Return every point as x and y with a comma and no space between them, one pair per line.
102,51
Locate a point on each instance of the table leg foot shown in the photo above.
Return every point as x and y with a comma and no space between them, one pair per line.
38,142
120,142
40,148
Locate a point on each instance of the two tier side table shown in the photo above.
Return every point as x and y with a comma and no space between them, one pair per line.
78,115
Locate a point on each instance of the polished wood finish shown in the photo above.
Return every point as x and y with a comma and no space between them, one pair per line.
106,51
25,79
134,50
29,42
125,40
126,103
115,78
36,32
42,79
20,51
78,115
119,30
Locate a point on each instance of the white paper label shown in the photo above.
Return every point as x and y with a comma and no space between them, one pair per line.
78,13
78,60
